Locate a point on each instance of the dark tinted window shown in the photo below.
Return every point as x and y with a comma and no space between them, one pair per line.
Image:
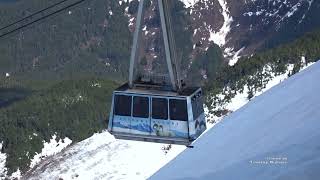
178,110
197,105
159,108
122,105
140,107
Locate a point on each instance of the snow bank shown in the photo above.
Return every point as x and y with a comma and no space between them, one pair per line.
50,148
274,136
16,175
3,169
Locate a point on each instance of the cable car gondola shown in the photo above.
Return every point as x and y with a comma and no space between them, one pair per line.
146,111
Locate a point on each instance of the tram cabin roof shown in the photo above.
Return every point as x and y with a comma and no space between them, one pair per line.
154,90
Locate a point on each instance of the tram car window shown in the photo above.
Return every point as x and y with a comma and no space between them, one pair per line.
140,107
178,110
159,108
122,104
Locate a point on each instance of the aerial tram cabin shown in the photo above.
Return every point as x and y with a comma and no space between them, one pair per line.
146,111
157,116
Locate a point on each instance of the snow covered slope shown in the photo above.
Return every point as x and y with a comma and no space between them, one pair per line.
103,157
275,136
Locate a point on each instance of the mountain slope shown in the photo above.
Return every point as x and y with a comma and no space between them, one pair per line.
275,136
101,156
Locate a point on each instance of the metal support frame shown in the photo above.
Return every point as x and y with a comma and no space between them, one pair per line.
169,44
172,44
136,39
166,44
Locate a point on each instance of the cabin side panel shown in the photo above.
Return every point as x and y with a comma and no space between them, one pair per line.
198,123
110,123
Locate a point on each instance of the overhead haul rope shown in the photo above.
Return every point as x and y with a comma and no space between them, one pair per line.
33,14
39,19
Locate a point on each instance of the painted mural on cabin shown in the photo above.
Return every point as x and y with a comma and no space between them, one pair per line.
156,128
198,126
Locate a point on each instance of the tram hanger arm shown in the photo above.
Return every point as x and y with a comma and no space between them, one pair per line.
170,51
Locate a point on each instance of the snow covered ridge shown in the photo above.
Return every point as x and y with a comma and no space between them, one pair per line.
275,136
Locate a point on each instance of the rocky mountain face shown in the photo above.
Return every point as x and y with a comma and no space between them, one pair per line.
242,27
264,24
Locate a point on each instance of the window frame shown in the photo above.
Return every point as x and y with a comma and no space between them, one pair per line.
184,111
167,108
133,107
115,106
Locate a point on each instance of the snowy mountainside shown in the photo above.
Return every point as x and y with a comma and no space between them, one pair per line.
101,156
276,137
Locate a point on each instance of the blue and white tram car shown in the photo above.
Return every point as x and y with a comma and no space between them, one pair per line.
157,116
